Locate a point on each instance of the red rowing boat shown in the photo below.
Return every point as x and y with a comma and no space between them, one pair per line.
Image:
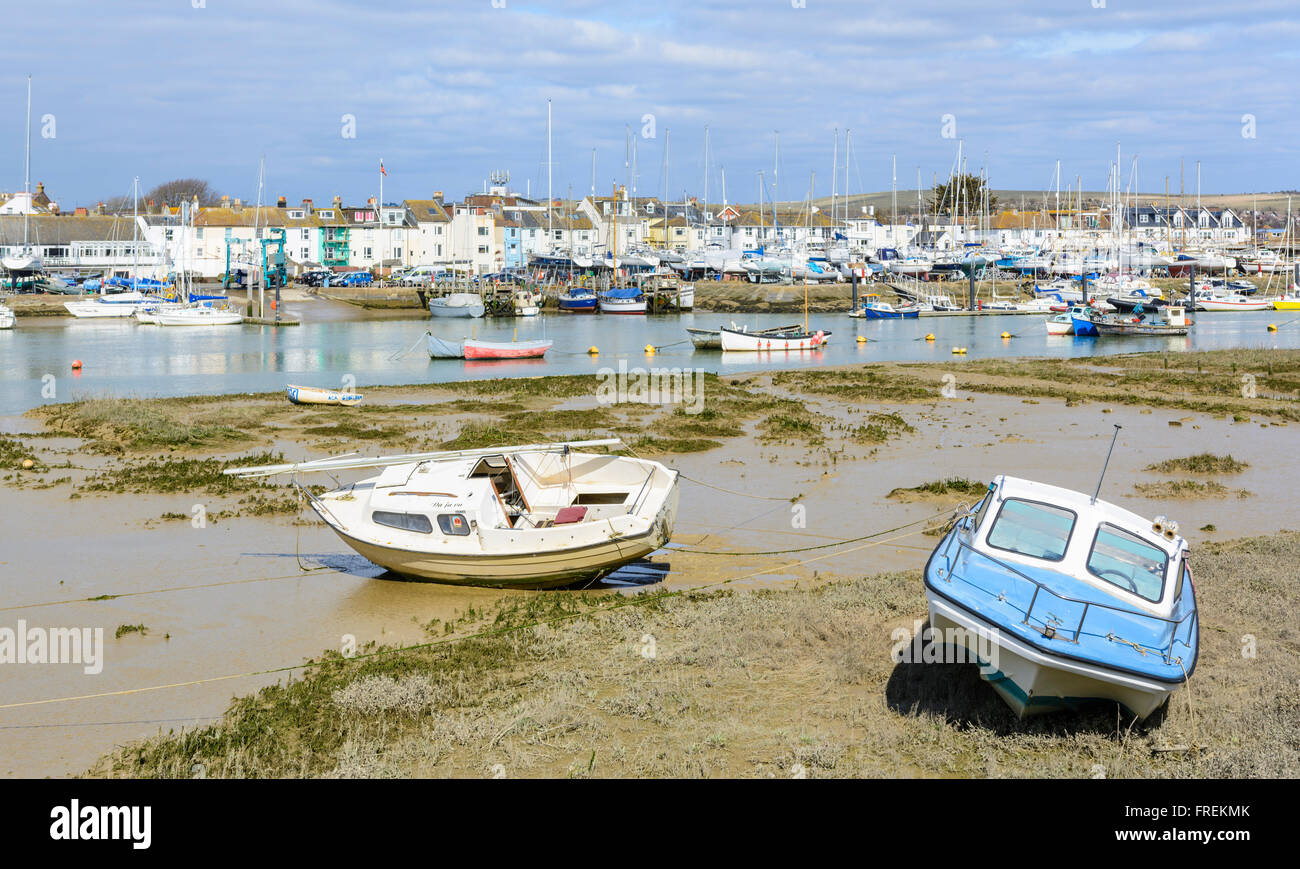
505,349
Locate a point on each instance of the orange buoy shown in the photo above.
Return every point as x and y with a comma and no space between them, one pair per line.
76,365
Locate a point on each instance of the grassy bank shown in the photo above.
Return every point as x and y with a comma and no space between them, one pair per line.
768,683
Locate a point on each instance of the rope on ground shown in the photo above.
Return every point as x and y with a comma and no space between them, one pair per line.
818,546
492,632
793,500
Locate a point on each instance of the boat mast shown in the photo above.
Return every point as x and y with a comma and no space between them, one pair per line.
835,165
27,166
135,233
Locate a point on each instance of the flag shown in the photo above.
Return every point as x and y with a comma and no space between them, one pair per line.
382,170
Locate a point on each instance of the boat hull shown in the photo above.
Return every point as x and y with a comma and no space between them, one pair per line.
1033,682
758,342
506,350
537,570
577,304
622,306
315,395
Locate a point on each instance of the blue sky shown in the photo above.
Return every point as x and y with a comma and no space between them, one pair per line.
445,91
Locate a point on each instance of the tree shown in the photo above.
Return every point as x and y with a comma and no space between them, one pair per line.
173,193
963,193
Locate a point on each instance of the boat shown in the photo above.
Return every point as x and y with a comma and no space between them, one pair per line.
462,305
198,316
577,300
1138,298
1061,324
711,339
873,308
24,260
1288,301
740,340
1174,322
440,348
622,300
7,318
1065,599
475,349
532,516
527,303
1081,316
1211,300
316,395
686,297
115,305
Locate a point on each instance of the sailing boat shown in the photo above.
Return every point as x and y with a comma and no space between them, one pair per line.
26,259
532,516
740,339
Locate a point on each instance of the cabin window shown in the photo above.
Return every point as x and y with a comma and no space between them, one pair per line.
454,524
1126,560
405,521
1030,528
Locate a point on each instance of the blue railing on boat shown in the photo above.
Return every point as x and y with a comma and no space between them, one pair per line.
1059,617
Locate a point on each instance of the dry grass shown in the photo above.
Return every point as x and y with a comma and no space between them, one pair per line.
759,683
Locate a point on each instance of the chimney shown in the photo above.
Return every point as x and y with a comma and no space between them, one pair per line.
99,208
281,203
307,204
239,205
225,201
371,201
338,201
81,212
40,188
437,196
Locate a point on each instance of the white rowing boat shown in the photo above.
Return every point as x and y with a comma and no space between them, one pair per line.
316,395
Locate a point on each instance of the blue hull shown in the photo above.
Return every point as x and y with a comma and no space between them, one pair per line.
1084,328
870,314
578,305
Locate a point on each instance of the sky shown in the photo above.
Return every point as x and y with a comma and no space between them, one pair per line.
447,91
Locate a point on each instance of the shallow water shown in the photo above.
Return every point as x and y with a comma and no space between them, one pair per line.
336,341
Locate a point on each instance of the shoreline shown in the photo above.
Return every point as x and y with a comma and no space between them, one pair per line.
764,641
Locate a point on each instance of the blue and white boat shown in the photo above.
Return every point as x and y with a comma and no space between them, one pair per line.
622,300
1063,599
577,300
1081,315
874,309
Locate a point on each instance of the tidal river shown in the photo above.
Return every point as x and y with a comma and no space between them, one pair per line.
341,345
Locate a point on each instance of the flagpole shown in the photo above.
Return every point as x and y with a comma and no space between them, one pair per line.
379,214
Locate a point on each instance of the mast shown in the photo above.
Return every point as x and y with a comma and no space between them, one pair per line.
27,165
706,182
135,232
835,165
550,234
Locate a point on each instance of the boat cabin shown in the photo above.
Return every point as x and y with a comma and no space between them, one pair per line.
1094,550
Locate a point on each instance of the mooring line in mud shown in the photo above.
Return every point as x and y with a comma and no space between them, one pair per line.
818,546
636,600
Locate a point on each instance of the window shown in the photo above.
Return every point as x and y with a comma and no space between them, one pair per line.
368,254
1029,528
1126,560
405,521
482,230
454,524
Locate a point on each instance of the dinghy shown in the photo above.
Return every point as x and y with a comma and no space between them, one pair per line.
1061,324
711,339
534,516
739,340
1066,599
315,395
475,349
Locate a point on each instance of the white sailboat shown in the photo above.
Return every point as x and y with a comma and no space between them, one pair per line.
533,516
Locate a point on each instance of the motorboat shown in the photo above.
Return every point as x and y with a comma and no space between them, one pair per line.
1060,324
316,395
527,303
457,305
1064,599
1173,321
1213,300
873,308
532,516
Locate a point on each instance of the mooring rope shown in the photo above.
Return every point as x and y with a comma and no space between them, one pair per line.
484,634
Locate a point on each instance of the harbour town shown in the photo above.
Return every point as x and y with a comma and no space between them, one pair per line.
410,456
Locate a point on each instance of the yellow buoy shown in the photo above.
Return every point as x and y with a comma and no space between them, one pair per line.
1006,334
28,464
956,350
963,351
1272,327
592,350
650,349
930,337
862,339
